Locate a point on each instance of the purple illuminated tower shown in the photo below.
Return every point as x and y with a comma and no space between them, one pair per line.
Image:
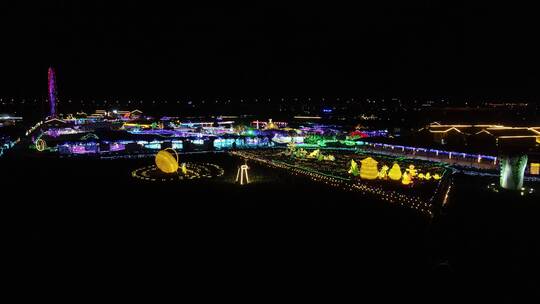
52,93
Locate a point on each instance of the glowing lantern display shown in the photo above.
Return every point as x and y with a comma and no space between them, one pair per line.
383,174
411,171
301,153
314,154
166,162
291,148
436,176
354,168
421,176
271,125
395,172
184,169
369,169
329,157
427,176
406,180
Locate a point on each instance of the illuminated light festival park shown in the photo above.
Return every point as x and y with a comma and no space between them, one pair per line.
273,160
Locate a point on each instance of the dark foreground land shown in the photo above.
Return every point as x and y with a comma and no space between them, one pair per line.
73,217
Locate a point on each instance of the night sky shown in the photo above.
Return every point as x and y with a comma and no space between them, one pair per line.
399,48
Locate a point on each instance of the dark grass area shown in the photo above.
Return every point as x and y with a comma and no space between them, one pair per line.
490,239
87,215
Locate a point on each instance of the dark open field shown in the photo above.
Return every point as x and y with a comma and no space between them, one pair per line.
76,215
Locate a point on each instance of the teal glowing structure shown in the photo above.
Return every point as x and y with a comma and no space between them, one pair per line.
512,171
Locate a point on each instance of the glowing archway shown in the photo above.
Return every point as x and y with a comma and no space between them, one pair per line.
41,145
242,171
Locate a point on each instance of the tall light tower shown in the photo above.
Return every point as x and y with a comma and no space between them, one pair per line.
52,93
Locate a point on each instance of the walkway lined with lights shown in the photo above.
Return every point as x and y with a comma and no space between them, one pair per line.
348,184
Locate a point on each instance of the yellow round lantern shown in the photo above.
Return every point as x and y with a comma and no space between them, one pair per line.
166,162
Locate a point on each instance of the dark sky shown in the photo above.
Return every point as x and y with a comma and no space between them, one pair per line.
414,48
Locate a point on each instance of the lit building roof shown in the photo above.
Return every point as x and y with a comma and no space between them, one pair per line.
512,132
498,131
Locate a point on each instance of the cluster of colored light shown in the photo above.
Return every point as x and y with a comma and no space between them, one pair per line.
268,124
301,153
357,134
218,143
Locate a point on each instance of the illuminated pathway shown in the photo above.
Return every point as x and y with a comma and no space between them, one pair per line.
193,171
424,206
